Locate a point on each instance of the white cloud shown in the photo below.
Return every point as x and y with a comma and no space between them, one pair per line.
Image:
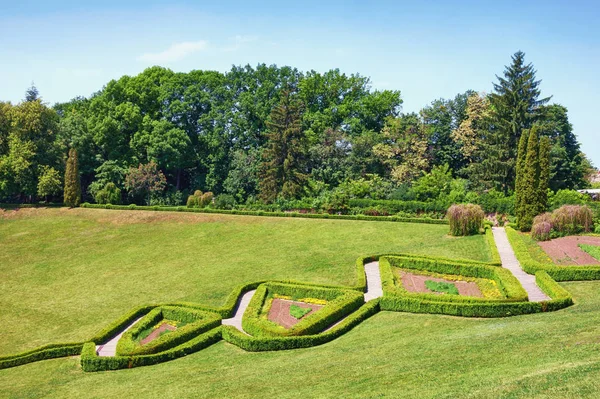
176,52
238,41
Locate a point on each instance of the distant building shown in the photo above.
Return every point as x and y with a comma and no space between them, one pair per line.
595,177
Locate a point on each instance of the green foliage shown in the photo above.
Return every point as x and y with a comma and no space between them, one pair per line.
72,193
199,199
282,169
110,194
145,180
567,197
443,287
224,201
593,250
299,312
433,184
465,219
49,183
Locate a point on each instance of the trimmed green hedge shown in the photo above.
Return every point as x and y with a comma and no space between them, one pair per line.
260,344
51,351
504,279
515,304
340,304
395,206
199,323
90,361
264,213
489,237
558,273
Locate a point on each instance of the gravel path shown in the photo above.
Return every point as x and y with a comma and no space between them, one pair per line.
236,320
510,262
110,348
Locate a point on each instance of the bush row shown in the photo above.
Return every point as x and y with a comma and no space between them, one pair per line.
523,245
51,351
395,206
259,344
340,304
489,237
200,322
90,361
504,279
272,214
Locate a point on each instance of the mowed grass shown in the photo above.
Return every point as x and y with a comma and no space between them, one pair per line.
593,250
391,355
67,273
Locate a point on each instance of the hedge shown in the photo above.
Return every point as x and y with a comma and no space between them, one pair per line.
395,206
50,351
504,279
90,361
265,213
259,344
396,300
199,322
558,273
489,237
340,304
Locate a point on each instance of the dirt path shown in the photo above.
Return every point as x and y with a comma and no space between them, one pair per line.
566,251
110,348
374,288
236,320
416,283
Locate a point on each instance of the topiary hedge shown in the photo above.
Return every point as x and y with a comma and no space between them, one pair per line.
272,214
340,304
51,351
199,322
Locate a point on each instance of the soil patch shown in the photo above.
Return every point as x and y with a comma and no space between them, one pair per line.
156,333
280,311
566,251
416,283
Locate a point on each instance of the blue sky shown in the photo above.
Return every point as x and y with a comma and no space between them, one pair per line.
427,50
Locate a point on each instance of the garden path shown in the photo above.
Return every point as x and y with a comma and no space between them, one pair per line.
236,320
374,288
110,348
510,262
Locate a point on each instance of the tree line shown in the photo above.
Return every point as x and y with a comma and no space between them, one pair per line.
269,134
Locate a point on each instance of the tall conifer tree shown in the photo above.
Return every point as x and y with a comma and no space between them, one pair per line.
72,194
529,182
515,102
283,168
521,155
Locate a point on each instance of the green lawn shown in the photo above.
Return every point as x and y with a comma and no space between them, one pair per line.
68,273
391,355
593,250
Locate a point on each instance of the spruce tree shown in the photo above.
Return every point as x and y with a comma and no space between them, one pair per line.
521,155
544,176
283,167
530,182
72,194
515,103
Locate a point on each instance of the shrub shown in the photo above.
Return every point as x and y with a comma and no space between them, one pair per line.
224,201
572,219
465,219
199,199
567,197
541,231
192,201
110,194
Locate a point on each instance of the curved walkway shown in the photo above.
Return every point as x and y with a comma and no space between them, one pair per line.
110,348
510,262
236,320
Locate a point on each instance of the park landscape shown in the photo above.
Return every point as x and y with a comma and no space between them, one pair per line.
269,231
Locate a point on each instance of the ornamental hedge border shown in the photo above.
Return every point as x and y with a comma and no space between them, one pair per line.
90,361
199,323
558,273
515,304
340,304
265,213
508,284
